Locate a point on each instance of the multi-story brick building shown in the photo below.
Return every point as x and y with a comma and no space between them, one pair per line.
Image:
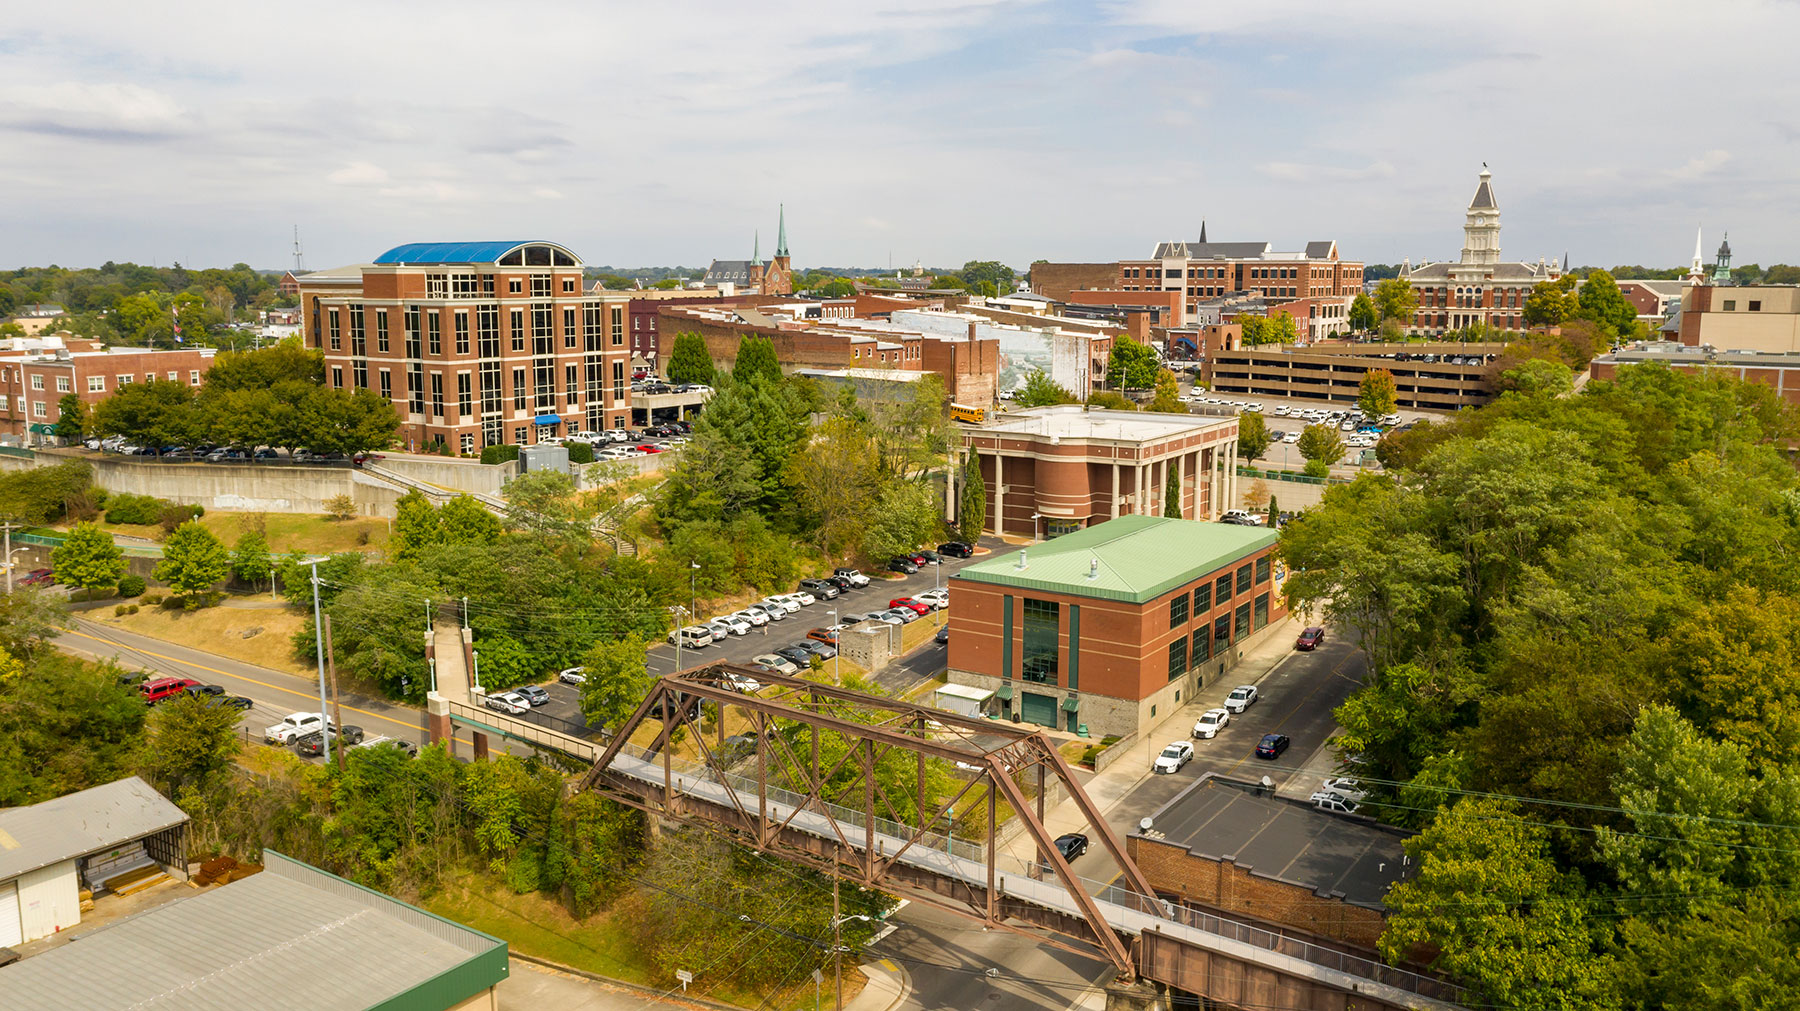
1478,288
1113,626
475,343
1054,470
41,371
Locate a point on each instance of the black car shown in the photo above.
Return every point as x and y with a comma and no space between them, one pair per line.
957,549
1272,745
237,702
205,690
691,707
853,618
132,677
797,654
943,635
533,694
822,650
314,743
684,427
931,557
843,583
820,588
902,565
1072,845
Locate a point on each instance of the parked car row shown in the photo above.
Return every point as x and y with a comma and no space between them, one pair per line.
156,690
209,453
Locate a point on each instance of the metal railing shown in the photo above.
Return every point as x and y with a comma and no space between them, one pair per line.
527,731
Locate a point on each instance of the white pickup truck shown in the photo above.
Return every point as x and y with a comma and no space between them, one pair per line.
293,727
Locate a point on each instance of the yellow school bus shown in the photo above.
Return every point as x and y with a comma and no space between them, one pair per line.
968,415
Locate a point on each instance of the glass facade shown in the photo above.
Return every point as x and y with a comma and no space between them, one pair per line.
1178,658
1202,599
1039,653
1178,611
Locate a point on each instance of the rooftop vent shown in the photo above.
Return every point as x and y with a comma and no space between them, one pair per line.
1021,558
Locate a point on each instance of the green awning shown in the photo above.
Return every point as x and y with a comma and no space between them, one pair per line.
1071,704
1004,691
43,429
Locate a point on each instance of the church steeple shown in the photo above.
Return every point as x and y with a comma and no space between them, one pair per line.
756,250
1722,267
781,236
1697,271
1203,231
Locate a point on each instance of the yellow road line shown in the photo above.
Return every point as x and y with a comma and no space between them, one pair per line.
1290,713
117,647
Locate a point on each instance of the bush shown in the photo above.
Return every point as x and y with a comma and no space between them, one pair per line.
1317,468
580,452
175,515
499,454
142,510
122,610
340,507
131,586
153,599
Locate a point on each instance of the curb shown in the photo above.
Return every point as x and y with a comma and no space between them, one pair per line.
902,978
637,988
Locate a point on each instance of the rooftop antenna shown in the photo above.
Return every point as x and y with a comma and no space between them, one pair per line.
299,256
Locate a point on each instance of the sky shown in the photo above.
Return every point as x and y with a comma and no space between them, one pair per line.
934,130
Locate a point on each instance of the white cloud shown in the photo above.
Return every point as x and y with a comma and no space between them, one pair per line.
1703,165
359,173
94,111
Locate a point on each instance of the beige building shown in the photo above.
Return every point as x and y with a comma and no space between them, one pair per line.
1755,317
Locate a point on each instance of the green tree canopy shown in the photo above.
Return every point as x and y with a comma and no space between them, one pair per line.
1276,329
250,560
1375,396
1394,299
1550,302
1321,443
617,681
1363,315
463,520
1168,395
193,559
416,527
88,558
1132,366
689,360
1040,391
1253,436
1602,301
71,416
971,517
189,741
756,359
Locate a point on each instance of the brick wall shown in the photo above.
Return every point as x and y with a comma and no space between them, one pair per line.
1056,280
1237,891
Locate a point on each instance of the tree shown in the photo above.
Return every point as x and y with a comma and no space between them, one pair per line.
1394,299
1168,394
71,416
345,421
836,482
1321,443
416,527
1171,495
756,358
1276,329
1253,436
463,520
193,560
250,561
1274,513
1040,391
156,413
287,361
1111,400
1538,377
1603,302
907,514
1550,302
1507,923
88,558
617,681
1363,317
971,516
1131,366
1375,397
689,360
189,741
341,508
990,272
543,502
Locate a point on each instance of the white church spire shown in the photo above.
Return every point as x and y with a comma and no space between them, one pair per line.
1697,272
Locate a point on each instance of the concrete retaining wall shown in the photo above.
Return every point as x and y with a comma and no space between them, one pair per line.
285,488
449,472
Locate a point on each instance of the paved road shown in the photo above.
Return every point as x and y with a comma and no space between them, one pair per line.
948,957
1296,699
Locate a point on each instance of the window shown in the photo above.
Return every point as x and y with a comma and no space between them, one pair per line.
415,389
517,318
1222,589
124,379
359,373
96,384
411,331
1730,305
568,286
515,287
618,381
437,286
37,409
336,343
543,336
1243,620
465,396
437,394
468,443
518,389
1038,658
540,286
1243,579
519,433
462,333
1178,657
590,326
487,331
572,384
1262,569
1202,640
1221,634
337,378
387,385
37,381
359,337
3,402
194,377
1262,610
491,393
618,325
1755,306
434,325
1178,611
66,383
570,330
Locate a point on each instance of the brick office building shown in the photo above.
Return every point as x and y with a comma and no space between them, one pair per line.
1054,470
33,381
1115,625
1479,287
475,343
1780,371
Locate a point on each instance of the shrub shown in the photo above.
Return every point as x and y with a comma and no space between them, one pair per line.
122,610
131,609
499,454
173,516
1317,468
153,599
138,509
340,507
131,586
581,452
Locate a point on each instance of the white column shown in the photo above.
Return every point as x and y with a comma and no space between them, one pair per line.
999,497
1231,483
1115,495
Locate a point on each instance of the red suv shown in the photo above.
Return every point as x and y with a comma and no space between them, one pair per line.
916,606
163,688
38,577
1310,639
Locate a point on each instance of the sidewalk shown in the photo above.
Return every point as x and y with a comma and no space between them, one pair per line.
1108,788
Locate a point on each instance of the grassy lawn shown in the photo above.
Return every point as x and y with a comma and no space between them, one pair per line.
221,630
285,531
534,925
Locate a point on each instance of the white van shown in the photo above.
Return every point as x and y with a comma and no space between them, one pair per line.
691,637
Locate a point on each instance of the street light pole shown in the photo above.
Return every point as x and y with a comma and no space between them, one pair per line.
837,670
694,590
325,727
676,610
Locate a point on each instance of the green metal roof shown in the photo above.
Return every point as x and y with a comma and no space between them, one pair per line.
1131,558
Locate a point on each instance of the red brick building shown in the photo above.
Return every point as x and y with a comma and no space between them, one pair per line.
475,343
753,276
1115,625
33,381
1479,288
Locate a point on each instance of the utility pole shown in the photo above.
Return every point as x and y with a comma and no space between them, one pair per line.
837,939
9,562
337,708
319,645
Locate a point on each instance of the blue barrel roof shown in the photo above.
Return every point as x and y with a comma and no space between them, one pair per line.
455,252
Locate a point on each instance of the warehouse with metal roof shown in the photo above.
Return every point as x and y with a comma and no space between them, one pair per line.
121,836
291,936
